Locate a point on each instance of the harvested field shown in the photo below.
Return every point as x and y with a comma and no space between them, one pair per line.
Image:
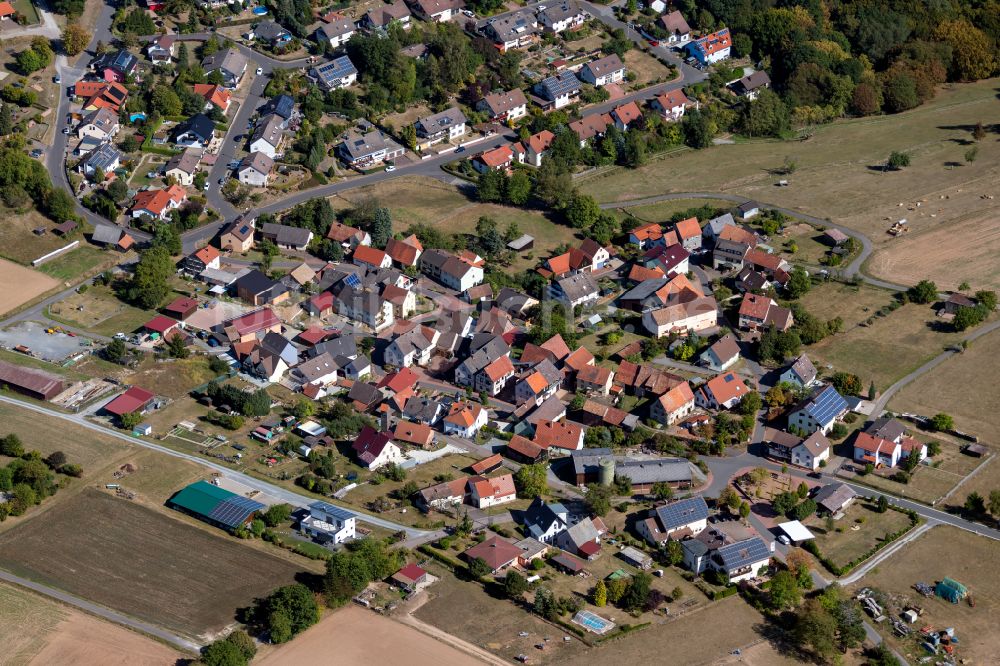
362,636
663,211
143,563
30,285
174,378
929,558
888,348
839,177
35,630
100,311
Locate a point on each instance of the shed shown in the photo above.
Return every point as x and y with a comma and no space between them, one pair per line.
142,430
524,242
835,236
975,450
636,557
567,563
65,228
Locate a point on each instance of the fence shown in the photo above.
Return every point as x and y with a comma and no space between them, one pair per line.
45,257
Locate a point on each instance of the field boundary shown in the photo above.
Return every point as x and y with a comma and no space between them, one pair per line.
886,540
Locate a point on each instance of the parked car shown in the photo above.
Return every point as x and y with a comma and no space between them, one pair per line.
56,79
260,70
65,130
391,167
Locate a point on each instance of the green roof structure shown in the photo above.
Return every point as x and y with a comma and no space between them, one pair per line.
215,505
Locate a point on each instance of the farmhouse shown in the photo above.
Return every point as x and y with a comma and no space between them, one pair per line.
328,524
216,506
674,405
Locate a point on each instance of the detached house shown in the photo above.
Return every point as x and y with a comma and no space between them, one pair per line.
270,32
578,289
116,67
671,104
237,236
336,33
760,312
184,167
515,30
603,71
215,96
198,131
334,75
880,451
559,90
449,270
562,16
819,411
792,449
101,124
162,49
674,405
201,259
689,314
625,115
722,354
801,372
495,159
381,17
712,48
376,449
157,204
504,106
750,86
268,135
484,493
544,521
464,419
676,520
534,149
230,63
678,32
406,252
447,125
414,347
349,237
588,127
561,435
285,236
721,392
436,11
255,169
364,151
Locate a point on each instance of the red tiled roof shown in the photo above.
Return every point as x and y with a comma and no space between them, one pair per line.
313,335
402,252
726,386
626,113
486,464
160,324
253,322
688,228
496,157
399,380
557,346
369,255
579,359
182,305
676,398
558,434
7,9
130,401
463,414
495,551
755,306
524,447
207,254
498,368
411,573
322,301
413,433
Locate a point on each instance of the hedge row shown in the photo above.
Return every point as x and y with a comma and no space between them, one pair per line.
450,563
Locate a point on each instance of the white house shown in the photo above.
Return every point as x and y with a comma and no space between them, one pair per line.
801,372
686,517
544,521
721,392
465,419
818,412
722,354
674,405
695,315
337,32
712,48
414,347
328,524
484,493
560,17
267,136
376,449
573,290
811,451
603,71
255,169
101,124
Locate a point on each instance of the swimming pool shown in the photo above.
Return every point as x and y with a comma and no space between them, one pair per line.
592,622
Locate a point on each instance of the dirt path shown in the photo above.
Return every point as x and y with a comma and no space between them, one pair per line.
408,618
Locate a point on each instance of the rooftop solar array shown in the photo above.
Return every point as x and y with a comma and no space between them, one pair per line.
682,512
234,511
825,406
743,553
331,510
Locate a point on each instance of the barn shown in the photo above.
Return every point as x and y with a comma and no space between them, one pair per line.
216,506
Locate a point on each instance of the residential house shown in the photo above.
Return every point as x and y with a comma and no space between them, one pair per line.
414,434
721,392
268,136
115,66
381,17
669,259
349,237
722,354
498,553
364,151
162,49
442,496
711,48
535,148
103,161
364,305
216,96
404,253
184,166
671,105
494,159
270,32
590,126
582,539
513,30
559,90
256,288
742,560
544,521
230,63
559,435
329,524
625,114
376,449
749,87
414,347
562,16
674,405
689,315
411,578
678,32
729,254
336,33
834,498
284,236
372,257
101,124
504,106
100,94
579,289
538,383
447,125
237,236
158,203
199,260
750,280
759,312
436,11
679,519
248,327
197,131
801,372
603,71
449,270
646,235
812,452
255,169
484,493
819,411
320,370
464,419
876,450
594,379
335,74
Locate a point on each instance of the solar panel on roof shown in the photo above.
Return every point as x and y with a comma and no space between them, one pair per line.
234,511
353,280
825,406
682,512
335,511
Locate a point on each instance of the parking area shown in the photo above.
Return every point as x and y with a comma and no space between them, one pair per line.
54,346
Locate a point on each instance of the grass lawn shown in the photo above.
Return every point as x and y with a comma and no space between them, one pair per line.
663,211
84,260
883,352
857,532
27,10
18,243
646,68
174,378
944,551
100,311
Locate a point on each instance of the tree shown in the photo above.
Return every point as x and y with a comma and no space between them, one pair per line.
75,39
744,510
130,420
994,502
765,116
544,604
674,552
866,100
531,480
784,591
116,351
6,127
381,229
582,211
728,498
11,446
975,504
923,292
898,160
698,131
638,592
166,102
478,568
883,504
222,653
751,403
941,422
514,585
490,186
661,490
149,285
972,51
979,132
971,154
600,597
517,190
616,590
117,190
798,283
277,514
598,499
288,611
987,299
816,629
177,347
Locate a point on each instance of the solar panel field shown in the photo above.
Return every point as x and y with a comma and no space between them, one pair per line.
143,563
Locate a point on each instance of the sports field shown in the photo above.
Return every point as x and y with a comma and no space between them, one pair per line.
142,562
30,285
